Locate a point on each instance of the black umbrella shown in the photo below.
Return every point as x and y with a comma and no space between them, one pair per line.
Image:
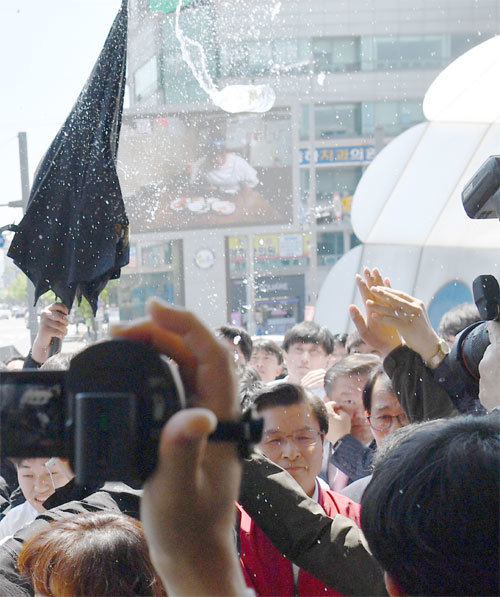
74,236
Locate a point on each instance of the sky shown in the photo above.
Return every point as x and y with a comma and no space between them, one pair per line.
47,51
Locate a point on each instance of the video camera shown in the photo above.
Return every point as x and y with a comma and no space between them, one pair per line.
105,414
481,200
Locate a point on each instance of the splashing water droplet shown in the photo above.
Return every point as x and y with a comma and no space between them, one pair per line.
275,11
233,98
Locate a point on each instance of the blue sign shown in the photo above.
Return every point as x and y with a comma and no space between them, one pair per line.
338,155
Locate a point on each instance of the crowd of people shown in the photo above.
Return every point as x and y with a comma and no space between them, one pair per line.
374,474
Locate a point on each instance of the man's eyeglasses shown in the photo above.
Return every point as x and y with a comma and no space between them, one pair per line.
384,422
301,439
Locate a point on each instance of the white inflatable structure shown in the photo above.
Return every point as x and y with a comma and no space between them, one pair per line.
407,209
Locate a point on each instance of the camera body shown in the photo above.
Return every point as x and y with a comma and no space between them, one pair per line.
481,200
481,195
104,414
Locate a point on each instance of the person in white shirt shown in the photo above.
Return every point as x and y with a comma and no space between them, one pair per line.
223,170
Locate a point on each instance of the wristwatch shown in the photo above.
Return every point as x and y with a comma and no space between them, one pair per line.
442,352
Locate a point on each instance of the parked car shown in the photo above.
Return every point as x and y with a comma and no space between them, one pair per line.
4,314
18,311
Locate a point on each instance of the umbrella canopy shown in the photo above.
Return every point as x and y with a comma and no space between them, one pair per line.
73,237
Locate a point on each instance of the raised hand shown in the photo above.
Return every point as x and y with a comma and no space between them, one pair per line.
339,422
380,335
54,323
408,315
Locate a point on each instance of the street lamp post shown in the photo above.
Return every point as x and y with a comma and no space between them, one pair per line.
25,194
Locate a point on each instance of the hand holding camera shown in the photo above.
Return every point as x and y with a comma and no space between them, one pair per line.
195,480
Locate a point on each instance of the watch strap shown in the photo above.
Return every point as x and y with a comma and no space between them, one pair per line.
442,352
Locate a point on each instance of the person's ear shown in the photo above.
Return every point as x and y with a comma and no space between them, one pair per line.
393,587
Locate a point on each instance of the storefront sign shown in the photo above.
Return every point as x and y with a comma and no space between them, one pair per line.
291,245
335,155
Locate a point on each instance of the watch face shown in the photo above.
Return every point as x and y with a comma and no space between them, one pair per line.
444,347
204,258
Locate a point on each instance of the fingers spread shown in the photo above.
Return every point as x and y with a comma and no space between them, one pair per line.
394,295
377,277
363,288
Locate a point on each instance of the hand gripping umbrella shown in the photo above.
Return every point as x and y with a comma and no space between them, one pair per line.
73,237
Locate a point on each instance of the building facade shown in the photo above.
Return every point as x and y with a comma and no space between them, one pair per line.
348,77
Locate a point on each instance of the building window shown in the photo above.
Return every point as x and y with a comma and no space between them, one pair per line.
330,247
270,251
463,42
146,79
395,117
337,120
179,84
336,180
136,289
404,52
157,255
264,57
336,55
304,132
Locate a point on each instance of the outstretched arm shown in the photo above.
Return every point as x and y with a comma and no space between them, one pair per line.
188,504
333,550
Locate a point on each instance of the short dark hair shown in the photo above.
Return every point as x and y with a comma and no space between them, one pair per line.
340,339
287,394
249,384
353,340
309,331
239,336
431,511
391,440
377,373
352,364
269,346
96,553
457,319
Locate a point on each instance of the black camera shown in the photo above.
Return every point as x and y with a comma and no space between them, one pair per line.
105,413
481,195
481,200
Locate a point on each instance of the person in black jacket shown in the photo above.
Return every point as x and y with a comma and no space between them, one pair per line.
64,502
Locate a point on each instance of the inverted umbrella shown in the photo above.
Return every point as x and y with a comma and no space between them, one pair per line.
73,237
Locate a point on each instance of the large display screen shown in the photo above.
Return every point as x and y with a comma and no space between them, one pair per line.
199,170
